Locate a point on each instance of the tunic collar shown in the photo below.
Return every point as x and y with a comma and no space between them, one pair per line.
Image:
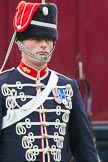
31,72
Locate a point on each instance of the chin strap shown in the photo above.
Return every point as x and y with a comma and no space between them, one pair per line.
34,55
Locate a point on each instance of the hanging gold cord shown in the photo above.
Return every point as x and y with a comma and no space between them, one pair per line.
8,51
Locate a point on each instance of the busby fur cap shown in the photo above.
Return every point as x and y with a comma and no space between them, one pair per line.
36,20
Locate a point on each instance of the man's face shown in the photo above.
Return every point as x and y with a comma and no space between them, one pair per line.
38,46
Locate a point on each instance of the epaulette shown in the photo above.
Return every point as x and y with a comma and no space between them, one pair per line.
61,74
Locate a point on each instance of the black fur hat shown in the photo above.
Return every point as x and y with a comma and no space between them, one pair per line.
41,24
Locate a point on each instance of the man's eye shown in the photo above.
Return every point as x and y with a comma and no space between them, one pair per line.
48,40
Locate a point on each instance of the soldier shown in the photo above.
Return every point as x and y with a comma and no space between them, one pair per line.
41,111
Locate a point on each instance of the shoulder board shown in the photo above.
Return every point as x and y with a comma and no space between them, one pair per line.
61,74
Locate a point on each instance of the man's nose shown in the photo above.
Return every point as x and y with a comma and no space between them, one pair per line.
43,44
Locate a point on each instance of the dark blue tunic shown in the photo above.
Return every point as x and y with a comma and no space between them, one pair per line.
44,134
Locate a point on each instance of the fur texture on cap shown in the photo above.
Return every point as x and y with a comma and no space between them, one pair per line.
44,24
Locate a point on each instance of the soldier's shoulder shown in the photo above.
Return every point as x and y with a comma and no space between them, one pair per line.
63,77
5,75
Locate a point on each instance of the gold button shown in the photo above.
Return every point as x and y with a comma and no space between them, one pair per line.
28,71
24,69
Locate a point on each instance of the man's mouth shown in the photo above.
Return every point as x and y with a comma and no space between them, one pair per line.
42,53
